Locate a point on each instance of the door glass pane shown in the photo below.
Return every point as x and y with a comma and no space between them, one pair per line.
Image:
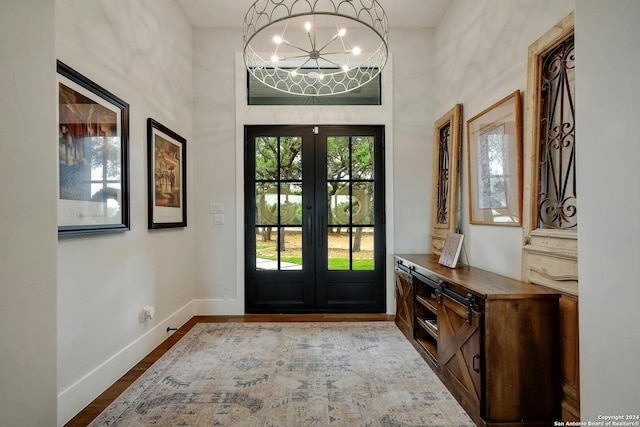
291,158
266,253
362,248
362,155
274,241
351,248
342,205
338,248
362,200
266,158
266,203
350,197
278,203
290,204
339,203
338,158
291,248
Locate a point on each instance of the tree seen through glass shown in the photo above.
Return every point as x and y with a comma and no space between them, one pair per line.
350,219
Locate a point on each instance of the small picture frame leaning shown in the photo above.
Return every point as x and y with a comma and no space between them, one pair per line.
494,148
167,177
93,157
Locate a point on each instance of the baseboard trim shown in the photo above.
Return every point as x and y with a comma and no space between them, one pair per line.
85,390
218,307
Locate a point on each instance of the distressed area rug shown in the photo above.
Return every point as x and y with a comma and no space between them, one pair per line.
288,375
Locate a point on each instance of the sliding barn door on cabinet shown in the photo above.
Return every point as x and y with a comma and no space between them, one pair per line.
459,353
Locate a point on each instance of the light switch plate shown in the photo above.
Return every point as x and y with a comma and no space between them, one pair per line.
218,219
216,208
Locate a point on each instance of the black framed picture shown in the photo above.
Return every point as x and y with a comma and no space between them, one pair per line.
167,176
93,157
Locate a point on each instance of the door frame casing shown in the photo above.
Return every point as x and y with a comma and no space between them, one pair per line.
316,289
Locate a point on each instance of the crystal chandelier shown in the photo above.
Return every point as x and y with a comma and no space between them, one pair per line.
315,47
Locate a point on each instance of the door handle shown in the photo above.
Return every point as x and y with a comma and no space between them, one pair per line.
320,226
475,357
310,230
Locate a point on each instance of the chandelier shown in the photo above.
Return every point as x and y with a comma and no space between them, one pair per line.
315,47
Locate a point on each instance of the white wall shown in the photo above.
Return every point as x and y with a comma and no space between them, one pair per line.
215,166
414,51
27,214
142,52
607,63
481,58
219,86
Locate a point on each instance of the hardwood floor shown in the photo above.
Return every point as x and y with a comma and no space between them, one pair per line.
91,411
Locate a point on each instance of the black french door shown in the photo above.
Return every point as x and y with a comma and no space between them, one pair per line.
314,219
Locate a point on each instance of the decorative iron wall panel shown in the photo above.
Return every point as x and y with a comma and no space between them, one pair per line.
557,202
443,174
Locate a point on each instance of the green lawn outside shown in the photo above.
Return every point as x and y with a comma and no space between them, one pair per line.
334,263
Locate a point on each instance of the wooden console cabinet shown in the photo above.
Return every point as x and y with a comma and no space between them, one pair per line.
492,340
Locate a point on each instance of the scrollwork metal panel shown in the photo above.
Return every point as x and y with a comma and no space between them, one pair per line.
557,201
443,174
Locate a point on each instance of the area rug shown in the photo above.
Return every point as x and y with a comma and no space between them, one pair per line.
363,374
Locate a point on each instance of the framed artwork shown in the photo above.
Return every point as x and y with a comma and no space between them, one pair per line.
494,148
93,152
446,177
167,167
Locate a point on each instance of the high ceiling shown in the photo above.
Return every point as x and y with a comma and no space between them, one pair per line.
230,13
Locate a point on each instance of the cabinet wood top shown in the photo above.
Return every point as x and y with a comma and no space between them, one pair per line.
480,282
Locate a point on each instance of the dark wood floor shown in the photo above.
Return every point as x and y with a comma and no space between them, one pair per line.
92,410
